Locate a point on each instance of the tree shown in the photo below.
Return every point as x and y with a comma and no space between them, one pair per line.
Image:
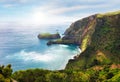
7,71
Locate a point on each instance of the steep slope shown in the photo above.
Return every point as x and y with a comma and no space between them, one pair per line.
99,39
81,31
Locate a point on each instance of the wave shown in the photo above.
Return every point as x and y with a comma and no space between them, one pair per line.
54,58
33,56
61,45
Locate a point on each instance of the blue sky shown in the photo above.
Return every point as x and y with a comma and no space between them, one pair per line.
45,12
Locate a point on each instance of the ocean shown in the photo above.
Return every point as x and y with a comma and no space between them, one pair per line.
20,47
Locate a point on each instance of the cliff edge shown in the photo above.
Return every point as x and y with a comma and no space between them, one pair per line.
99,39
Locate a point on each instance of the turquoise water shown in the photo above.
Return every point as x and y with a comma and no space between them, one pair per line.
20,47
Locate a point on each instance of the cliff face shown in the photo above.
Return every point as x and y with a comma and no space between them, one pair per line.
81,31
99,39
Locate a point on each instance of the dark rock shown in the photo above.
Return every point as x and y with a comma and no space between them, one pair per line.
61,41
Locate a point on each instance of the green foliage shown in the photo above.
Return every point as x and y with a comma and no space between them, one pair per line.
106,36
108,14
5,73
31,75
115,78
49,36
56,77
85,41
45,34
2,78
90,75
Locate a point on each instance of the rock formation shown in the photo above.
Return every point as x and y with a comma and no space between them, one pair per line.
49,36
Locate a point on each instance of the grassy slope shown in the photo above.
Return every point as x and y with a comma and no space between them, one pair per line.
105,44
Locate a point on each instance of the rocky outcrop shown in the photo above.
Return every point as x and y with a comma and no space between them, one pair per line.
99,39
81,31
49,36
60,41
78,32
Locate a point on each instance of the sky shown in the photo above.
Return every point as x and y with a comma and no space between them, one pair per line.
47,12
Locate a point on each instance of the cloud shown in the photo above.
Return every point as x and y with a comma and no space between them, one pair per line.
21,1
8,5
46,15
56,11
74,8
66,9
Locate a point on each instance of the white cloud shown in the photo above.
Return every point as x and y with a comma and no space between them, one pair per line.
39,17
45,15
8,5
74,8
22,1
53,13
66,9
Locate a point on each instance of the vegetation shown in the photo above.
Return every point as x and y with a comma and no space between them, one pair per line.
104,44
105,74
85,41
45,34
108,14
49,36
5,73
96,73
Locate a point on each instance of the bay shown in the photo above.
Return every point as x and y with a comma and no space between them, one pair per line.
20,47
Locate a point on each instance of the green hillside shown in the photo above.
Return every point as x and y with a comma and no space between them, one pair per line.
102,47
99,39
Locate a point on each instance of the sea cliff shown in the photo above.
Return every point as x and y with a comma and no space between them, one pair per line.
99,39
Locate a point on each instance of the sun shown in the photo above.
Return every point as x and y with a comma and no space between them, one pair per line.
39,17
